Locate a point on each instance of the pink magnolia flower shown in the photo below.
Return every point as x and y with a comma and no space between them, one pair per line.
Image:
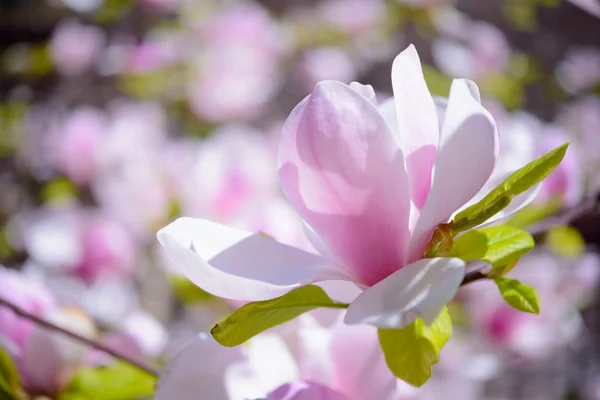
74,47
474,51
27,294
523,138
322,63
305,391
340,359
561,285
50,359
76,142
372,184
353,17
580,70
44,359
79,242
236,72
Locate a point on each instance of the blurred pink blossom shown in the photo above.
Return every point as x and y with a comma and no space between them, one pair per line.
354,17
523,138
75,46
81,242
580,70
28,294
480,50
236,71
342,358
322,63
107,249
305,391
76,142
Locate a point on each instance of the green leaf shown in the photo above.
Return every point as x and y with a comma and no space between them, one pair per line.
254,318
524,178
518,295
498,245
10,382
117,381
565,241
412,351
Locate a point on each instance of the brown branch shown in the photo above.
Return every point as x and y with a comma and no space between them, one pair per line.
96,345
473,276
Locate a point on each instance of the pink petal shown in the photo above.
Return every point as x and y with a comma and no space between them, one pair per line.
419,289
340,167
466,158
359,368
305,391
188,379
417,122
239,265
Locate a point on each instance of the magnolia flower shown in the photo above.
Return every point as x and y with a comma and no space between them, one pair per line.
76,141
561,285
523,138
372,185
45,360
74,47
305,391
236,70
340,359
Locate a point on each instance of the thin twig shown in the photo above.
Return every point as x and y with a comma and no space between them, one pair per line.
96,345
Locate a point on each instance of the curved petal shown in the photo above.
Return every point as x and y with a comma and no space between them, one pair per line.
188,379
418,132
345,358
340,167
239,265
305,391
359,367
419,289
465,161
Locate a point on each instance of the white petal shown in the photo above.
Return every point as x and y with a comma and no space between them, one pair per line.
239,265
419,289
465,161
198,371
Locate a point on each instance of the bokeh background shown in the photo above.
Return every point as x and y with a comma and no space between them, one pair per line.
117,116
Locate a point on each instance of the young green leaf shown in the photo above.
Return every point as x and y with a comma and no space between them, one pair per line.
117,381
518,295
521,180
254,318
498,245
410,352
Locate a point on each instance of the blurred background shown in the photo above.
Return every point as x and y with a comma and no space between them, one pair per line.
117,116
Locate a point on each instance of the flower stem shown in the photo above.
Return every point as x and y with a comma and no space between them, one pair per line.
92,343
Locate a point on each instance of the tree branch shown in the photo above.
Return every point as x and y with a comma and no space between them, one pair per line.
96,345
